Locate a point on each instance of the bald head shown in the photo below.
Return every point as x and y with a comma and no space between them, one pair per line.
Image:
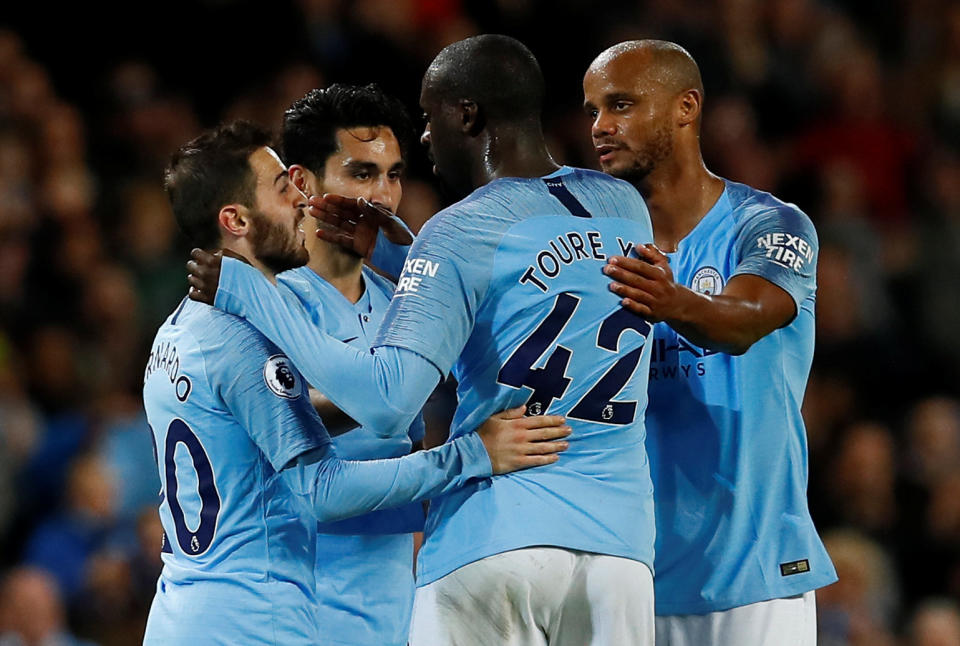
644,97
481,99
659,62
497,72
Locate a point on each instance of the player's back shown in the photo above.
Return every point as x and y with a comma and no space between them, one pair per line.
238,553
518,267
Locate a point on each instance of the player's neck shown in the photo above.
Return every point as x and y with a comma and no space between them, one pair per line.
242,251
679,192
340,269
515,153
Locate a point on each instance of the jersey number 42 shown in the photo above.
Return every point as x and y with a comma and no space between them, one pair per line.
550,381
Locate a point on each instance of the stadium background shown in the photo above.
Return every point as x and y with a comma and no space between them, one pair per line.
849,108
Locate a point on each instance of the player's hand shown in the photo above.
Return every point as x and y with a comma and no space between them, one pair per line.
390,225
646,284
353,223
515,442
203,273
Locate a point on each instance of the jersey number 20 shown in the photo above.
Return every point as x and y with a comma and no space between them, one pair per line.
196,541
550,381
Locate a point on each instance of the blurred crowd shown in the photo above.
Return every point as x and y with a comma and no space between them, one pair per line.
849,109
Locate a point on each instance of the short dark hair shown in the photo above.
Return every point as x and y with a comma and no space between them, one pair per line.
310,125
209,172
498,72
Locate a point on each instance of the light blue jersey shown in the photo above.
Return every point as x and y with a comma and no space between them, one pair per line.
510,281
227,414
506,288
247,469
387,256
364,564
355,324
727,444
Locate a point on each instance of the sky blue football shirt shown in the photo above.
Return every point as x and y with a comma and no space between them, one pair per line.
246,469
364,564
510,281
727,443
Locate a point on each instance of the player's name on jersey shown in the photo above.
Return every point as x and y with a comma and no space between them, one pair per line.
165,357
564,250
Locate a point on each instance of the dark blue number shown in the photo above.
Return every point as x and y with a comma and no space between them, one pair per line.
192,542
598,405
164,542
550,381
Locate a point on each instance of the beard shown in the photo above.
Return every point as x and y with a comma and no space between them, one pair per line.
275,246
653,151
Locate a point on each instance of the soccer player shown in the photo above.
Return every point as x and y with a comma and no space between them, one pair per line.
246,465
505,289
731,283
351,140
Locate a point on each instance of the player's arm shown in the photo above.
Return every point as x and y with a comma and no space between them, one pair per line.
334,488
336,421
748,308
762,296
393,244
370,230
426,327
382,391
416,432
267,397
423,333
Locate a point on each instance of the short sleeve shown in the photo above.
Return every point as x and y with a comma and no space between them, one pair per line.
435,303
266,394
780,245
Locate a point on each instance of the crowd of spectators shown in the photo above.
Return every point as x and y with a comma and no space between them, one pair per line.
849,109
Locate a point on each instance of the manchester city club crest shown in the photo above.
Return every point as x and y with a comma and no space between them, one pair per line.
707,281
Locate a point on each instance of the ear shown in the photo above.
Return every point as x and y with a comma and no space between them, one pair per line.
299,177
472,118
233,219
688,107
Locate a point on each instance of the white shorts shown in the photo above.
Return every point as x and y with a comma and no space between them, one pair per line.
779,622
538,596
